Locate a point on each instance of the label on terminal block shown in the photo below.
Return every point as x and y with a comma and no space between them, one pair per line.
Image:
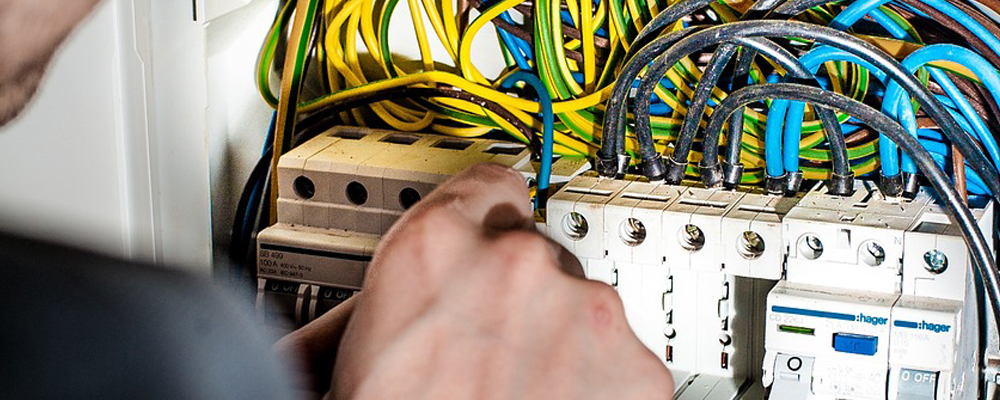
314,266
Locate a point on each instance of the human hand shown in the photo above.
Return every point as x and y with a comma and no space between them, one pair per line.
464,299
30,31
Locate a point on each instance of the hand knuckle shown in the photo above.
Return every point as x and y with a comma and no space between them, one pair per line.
605,294
524,250
496,173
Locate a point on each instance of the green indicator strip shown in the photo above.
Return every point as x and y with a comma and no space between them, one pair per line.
796,329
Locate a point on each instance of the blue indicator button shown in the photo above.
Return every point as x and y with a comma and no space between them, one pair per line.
855,344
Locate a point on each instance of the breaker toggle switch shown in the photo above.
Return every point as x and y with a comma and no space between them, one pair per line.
792,377
917,385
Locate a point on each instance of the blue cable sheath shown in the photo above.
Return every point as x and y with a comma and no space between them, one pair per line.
514,50
548,120
258,188
515,45
772,135
270,133
967,58
855,12
907,120
790,115
975,124
525,46
777,113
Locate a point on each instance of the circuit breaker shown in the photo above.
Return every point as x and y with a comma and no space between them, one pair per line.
742,294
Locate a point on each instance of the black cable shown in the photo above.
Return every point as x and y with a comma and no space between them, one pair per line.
834,38
699,102
611,158
792,8
665,18
711,176
679,10
842,178
741,76
958,211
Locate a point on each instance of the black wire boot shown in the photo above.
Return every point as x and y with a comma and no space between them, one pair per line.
654,169
675,171
775,185
911,185
841,185
793,182
711,175
606,167
732,174
891,186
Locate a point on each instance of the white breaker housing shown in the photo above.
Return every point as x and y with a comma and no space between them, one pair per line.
895,321
692,266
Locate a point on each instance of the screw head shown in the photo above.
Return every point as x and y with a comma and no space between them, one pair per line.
935,261
814,243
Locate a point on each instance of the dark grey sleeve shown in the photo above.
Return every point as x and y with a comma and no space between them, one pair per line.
75,325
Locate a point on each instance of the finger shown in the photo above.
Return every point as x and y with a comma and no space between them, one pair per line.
488,195
566,260
314,346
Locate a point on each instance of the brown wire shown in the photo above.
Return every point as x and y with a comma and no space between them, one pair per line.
958,170
968,90
961,31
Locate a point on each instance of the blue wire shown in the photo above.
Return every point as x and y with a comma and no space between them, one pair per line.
258,188
521,43
987,75
888,150
517,47
270,133
792,122
939,151
772,135
792,131
890,166
779,126
548,120
854,13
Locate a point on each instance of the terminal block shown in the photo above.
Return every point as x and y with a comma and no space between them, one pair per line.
339,192
834,240
702,321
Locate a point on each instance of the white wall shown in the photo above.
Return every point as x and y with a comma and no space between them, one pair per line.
60,169
112,154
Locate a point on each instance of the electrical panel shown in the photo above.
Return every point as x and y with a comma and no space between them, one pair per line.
793,199
740,293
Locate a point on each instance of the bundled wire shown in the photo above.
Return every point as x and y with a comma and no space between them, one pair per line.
734,92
